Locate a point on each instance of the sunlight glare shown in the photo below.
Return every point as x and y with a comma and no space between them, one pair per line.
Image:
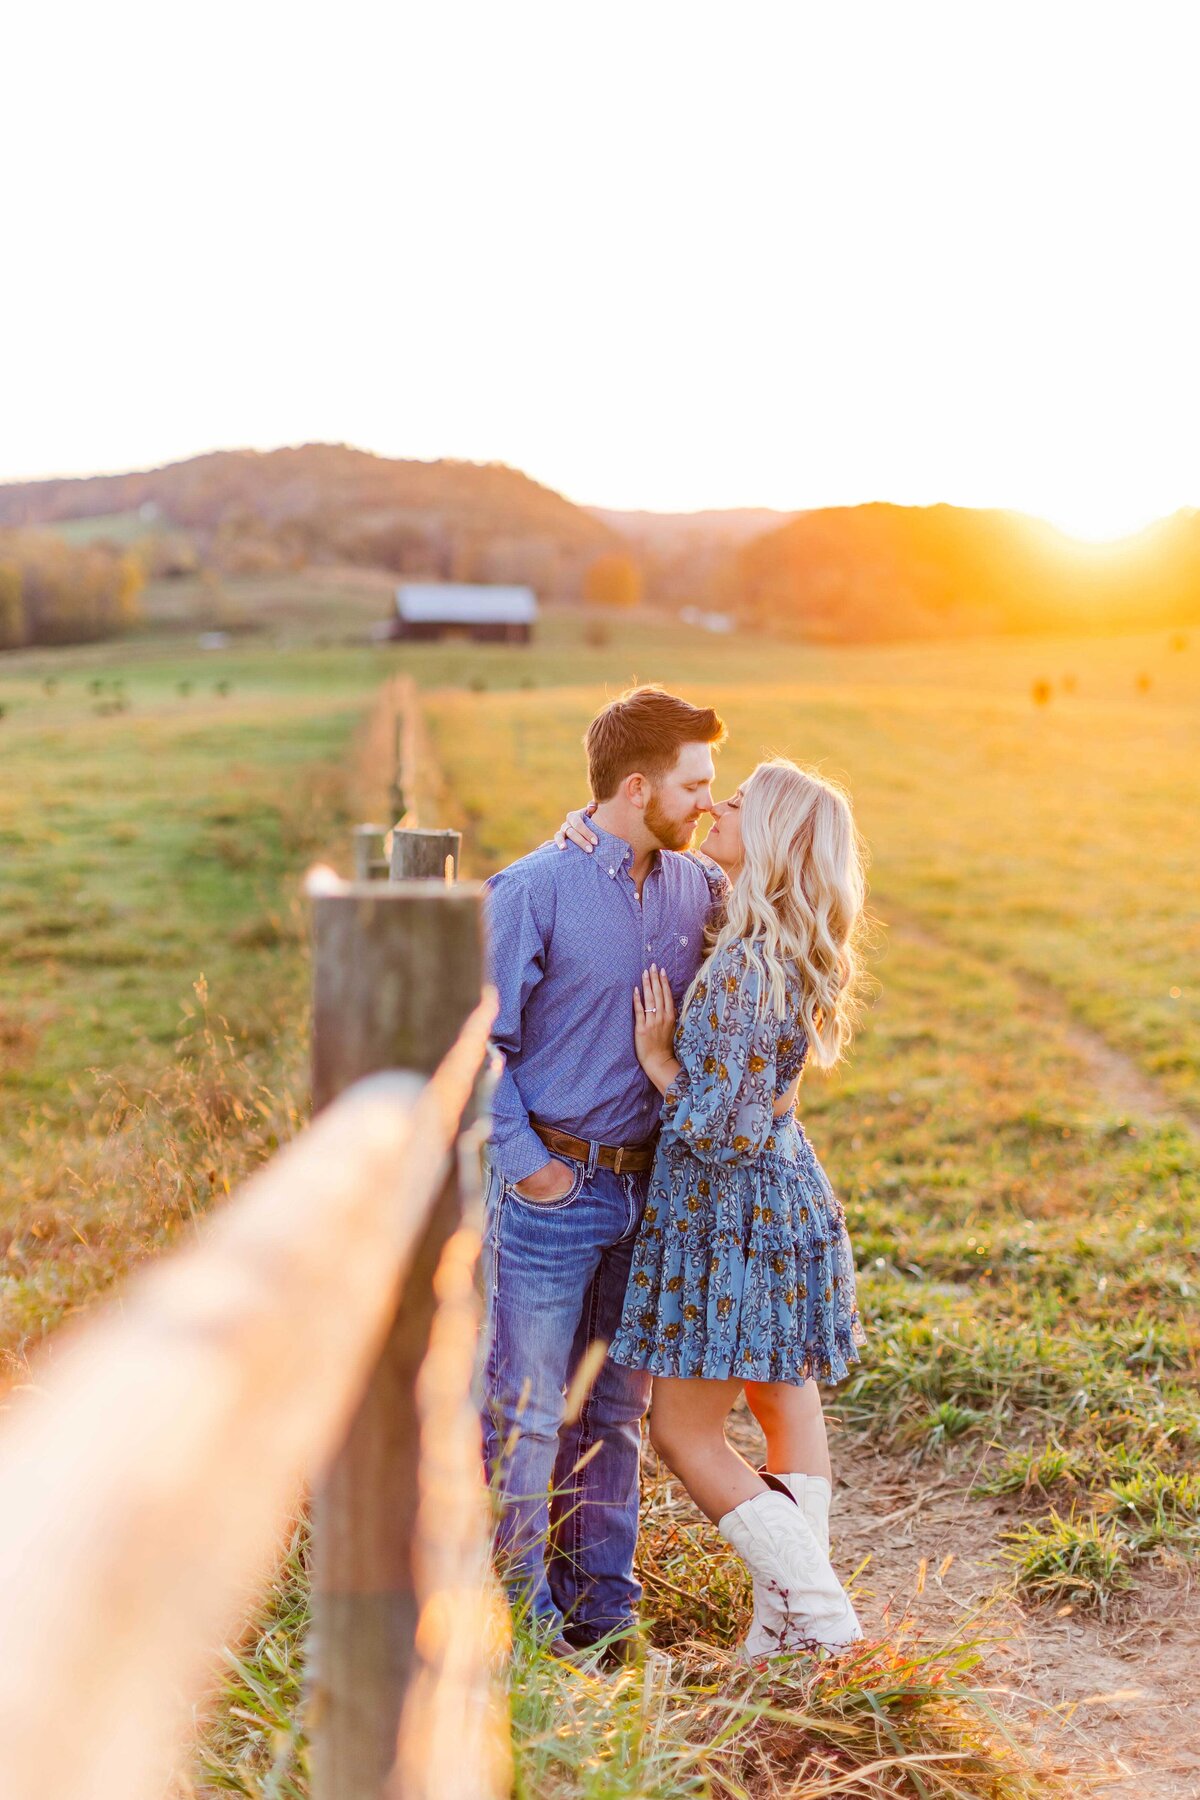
1101,523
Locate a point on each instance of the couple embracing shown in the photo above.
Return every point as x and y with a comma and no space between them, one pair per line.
649,1187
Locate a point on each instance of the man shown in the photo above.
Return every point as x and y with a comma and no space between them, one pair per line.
570,1154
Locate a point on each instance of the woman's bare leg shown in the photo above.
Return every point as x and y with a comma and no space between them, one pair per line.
793,1423
687,1428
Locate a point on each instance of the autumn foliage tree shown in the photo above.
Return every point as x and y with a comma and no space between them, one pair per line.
12,607
52,592
613,580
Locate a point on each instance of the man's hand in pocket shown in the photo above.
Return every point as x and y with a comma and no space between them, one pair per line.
549,1183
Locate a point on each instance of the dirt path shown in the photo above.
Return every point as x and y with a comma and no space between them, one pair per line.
1116,1703
1112,1707
1118,1083
1115,1076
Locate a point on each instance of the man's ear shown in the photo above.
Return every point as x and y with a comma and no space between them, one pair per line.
637,791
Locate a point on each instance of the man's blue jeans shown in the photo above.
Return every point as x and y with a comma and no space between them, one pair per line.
555,1279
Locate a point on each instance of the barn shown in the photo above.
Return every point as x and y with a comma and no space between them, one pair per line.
487,614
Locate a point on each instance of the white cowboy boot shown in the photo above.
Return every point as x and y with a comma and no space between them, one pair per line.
837,1621
812,1494
768,1621
799,1601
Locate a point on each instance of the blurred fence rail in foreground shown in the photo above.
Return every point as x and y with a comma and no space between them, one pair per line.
319,1333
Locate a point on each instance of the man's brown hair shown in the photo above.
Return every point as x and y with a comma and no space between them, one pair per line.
642,733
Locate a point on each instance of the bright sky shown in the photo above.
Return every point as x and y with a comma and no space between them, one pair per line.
658,253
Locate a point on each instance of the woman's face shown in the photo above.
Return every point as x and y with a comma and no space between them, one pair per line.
724,841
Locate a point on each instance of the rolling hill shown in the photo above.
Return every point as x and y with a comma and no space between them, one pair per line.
253,511
866,572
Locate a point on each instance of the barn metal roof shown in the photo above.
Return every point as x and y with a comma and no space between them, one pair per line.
464,603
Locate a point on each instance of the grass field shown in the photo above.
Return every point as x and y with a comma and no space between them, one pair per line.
1013,1135
125,528
1028,1236
156,815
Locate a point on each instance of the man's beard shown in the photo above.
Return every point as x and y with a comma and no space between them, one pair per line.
672,834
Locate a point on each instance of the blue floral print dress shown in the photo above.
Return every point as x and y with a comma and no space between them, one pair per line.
742,1267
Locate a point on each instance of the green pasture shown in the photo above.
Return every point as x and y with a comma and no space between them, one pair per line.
122,528
1032,863
157,811
1010,1134
143,847
1056,839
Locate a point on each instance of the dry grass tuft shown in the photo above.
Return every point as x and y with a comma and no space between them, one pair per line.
903,1718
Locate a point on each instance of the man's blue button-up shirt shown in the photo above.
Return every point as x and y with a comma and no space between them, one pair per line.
568,940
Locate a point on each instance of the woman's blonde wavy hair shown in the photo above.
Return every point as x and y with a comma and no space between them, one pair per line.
797,900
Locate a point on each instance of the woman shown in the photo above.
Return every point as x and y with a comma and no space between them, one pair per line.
742,1276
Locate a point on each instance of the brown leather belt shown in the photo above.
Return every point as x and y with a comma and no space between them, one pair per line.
622,1158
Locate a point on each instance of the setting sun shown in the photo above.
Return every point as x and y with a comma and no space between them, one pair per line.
1101,524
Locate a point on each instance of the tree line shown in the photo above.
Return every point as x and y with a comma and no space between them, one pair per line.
837,573
881,571
52,592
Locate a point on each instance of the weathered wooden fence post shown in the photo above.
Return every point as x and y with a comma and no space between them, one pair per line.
423,853
398,967
370,862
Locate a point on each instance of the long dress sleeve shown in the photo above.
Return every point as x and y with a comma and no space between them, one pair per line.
720,1106
713,873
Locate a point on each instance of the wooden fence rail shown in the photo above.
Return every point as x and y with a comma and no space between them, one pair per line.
317,1332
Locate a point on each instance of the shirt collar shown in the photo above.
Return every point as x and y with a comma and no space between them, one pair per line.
613,853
